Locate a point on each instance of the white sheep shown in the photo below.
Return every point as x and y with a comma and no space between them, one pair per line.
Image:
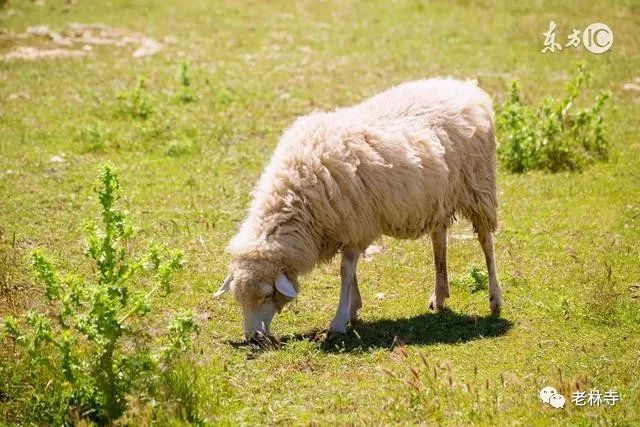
401,163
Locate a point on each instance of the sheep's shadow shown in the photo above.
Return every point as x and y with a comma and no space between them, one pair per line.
446,327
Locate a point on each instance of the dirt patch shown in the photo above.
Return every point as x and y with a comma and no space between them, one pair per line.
463,235
33,53
372,251
631,86
76,40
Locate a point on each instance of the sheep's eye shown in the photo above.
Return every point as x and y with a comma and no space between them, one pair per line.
268,297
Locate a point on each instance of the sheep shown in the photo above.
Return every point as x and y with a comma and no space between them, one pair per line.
401,164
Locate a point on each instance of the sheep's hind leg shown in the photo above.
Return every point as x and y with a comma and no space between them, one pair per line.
495,291
441,291
348,290
355,300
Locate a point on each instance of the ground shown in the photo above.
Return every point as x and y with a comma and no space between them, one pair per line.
567,246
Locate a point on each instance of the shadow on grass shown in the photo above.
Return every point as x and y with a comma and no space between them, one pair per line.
446,327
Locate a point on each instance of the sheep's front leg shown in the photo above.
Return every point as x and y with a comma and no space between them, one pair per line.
495,291
348,290
441,291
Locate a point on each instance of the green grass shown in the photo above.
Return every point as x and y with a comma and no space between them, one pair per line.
567,247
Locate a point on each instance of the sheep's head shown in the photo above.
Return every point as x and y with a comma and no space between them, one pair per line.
262,290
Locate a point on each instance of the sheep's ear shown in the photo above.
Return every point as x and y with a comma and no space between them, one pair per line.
285,287
226,285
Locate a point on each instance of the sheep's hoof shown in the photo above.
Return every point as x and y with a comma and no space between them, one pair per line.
436,305
263,341
337,328
495,303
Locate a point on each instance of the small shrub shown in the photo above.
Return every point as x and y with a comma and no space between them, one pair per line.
92,355
224,96
158,127
93,137
185,92
136,102
475,280
180,147
550,136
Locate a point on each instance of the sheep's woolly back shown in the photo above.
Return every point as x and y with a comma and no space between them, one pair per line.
401,163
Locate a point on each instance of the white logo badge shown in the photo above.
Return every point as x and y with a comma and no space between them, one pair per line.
597,38
557,401
550,396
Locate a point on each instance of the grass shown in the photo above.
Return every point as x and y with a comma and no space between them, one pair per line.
567,247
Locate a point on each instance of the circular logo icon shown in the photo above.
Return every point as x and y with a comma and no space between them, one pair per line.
557,401
597,38
546,393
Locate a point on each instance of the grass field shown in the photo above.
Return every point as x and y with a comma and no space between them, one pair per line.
567,248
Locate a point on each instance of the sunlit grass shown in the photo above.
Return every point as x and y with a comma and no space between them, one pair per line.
567,246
